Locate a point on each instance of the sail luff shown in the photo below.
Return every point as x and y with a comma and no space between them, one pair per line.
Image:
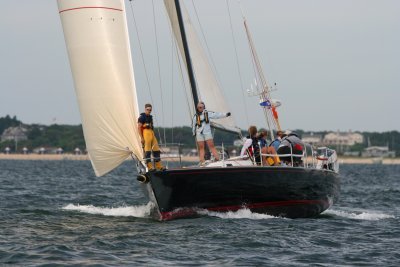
98,48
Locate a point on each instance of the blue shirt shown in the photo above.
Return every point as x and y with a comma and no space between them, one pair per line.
275,144
263,142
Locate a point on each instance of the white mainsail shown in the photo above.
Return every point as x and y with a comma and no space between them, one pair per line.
207,85
98,47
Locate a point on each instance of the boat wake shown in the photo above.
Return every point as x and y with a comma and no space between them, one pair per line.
142,211
359,214
240,214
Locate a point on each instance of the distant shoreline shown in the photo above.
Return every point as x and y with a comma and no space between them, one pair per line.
43,157
70,157
342,160
386,161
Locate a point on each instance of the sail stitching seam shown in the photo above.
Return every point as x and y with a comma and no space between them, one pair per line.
86,7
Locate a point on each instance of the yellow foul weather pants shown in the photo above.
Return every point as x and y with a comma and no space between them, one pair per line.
151,144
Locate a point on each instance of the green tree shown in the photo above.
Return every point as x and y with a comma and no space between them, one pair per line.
7,122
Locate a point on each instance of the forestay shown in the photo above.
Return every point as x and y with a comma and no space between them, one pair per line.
99,53
208,88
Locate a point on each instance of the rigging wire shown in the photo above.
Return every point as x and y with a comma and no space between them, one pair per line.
185,86
214,68
237,64
159,75
206,43
143,61
250,52
172,87
141,51
265,92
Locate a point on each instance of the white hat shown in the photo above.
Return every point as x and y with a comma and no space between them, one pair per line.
287,132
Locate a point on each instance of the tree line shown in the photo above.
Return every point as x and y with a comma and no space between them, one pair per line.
69,137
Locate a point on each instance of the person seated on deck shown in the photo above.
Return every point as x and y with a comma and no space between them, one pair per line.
275,144
252,146
262,138
291,144
265,149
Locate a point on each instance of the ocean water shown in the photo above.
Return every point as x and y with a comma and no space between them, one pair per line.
59,213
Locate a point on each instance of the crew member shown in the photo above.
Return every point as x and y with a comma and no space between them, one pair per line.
253,145
275,144
291,144
148,139
201,128
262,138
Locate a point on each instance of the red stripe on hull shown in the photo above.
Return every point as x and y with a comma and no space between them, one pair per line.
86,7
186,212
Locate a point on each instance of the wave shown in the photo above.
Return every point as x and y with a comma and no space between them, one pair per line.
240,214
143,211
360,214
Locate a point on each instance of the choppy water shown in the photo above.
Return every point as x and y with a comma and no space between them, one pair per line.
58,212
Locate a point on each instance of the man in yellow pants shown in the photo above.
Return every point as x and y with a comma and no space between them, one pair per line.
148,139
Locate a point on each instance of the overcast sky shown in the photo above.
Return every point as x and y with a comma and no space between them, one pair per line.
336,63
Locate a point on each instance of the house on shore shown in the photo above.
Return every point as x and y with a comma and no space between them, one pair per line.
16,134
378,151
343,138
312,139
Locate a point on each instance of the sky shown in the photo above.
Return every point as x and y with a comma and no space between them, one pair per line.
336,63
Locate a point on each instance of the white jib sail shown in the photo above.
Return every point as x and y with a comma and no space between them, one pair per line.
98,47
207,85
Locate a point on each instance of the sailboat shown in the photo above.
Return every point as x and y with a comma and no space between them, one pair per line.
99,53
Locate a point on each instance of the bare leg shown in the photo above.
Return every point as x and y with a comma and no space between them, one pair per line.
200,145
271,150
211,146
264,150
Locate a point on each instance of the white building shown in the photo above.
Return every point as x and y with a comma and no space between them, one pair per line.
312,139
343,138
378,151
14,134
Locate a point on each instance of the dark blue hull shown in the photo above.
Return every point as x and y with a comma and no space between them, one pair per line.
278,191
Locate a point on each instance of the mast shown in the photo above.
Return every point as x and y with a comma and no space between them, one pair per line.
187,54
265,91
203,83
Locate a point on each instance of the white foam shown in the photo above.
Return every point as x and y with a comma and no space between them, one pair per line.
240,214
360,215
142,211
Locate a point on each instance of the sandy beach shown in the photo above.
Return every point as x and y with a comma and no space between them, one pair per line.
342,160
389,161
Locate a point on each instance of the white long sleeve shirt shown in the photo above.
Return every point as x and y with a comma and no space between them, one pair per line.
247,143
205,128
